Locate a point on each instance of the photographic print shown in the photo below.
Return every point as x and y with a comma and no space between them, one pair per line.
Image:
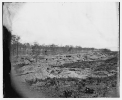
61,49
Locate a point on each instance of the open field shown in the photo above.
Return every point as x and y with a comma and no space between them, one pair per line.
81,75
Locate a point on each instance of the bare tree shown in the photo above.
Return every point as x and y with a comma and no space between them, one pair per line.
14,43
36,50
17,39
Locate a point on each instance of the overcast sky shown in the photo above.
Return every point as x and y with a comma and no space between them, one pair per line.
84,24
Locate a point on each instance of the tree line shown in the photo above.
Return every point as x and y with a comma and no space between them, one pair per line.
18,48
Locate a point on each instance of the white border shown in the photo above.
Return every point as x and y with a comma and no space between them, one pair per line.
61,0
1,47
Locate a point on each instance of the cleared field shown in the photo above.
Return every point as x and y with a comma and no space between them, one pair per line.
91,74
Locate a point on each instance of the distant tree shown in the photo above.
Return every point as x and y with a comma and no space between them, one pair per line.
14,42
36,50
106,50
70,49
78,48
17,39
53,48
26,48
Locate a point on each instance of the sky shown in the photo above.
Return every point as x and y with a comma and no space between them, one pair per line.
78,24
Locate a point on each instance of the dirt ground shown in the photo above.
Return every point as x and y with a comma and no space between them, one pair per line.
68,76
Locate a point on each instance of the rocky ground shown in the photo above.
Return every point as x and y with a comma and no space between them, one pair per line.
81,75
